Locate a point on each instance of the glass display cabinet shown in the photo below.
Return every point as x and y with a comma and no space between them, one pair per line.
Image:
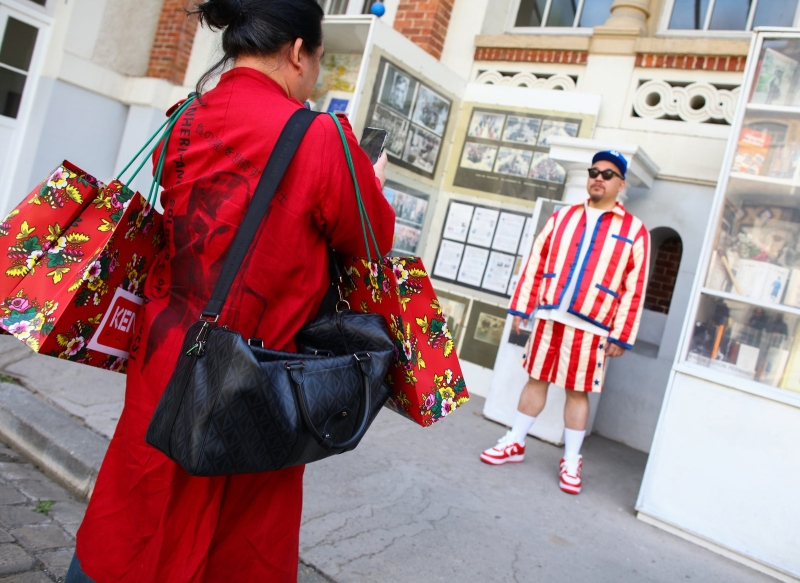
748,312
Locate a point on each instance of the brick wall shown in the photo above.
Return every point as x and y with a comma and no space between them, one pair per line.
530,55
172,45
692,62
425,22
664,275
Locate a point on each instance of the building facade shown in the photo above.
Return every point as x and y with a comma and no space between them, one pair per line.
90,80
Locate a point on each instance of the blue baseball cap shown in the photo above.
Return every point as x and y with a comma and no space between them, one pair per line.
615,158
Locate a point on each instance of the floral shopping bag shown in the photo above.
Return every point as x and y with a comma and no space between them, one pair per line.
37,223
426,378
78,299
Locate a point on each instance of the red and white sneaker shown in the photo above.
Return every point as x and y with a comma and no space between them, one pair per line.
506,451
570,476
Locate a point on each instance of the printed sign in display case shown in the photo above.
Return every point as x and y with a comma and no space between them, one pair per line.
748,313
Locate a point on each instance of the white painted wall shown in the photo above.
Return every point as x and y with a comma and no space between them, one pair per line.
459,44
716,480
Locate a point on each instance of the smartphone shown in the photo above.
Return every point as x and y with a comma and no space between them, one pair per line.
372,142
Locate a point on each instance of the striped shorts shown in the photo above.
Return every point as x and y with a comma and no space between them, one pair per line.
565,356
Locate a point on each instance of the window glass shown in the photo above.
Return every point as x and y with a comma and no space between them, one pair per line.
689,15
595,12
775,13
562,13
18,42
730,15
11,86
531,12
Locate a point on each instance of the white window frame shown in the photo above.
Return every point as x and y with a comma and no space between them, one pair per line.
576,30
353,6
12,10
666,16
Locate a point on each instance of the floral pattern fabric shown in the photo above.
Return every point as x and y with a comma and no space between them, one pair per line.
58,287
425,376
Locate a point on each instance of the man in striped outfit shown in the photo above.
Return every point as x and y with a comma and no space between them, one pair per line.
584,284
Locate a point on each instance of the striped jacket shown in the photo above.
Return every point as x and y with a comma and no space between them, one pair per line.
611,281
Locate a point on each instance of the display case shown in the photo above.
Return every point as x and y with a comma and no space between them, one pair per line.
747,311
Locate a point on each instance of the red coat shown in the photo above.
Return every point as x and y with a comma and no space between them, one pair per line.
148,520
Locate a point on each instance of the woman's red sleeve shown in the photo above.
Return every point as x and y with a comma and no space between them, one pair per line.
338,215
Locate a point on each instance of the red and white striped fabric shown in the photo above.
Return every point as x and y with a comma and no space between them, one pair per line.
611,280
565,356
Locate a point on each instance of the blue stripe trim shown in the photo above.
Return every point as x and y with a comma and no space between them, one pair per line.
585,259
548,307
575,264
621,238
588,319
548,275
624,345
605,289
520,314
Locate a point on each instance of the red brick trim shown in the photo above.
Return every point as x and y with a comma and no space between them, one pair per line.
172,45
692,62
425,23
531,55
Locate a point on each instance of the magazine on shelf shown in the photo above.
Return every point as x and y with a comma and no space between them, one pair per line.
752,151
774,82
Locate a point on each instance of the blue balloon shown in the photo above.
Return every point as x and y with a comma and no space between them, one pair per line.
378,9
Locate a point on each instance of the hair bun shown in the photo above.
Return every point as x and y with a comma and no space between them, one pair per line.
220,14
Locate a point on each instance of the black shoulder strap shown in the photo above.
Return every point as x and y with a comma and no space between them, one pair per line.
278,162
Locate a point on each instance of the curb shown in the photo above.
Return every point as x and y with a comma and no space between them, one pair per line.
67,451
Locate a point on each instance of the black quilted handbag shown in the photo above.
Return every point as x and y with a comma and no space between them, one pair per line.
233,407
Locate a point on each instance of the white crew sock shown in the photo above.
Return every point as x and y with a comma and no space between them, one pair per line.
572,444
522,423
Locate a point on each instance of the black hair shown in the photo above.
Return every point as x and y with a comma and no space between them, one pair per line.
260,27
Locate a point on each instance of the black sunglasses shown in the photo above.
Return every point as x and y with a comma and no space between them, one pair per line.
607,174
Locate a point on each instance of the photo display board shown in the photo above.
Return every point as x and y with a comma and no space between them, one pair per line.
410,207
482,247
507,152
414,114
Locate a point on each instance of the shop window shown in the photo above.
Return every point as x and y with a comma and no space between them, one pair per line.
341,6
663,271
17,41
731,14
562,13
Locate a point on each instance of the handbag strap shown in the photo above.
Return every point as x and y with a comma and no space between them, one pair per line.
365,224
276,167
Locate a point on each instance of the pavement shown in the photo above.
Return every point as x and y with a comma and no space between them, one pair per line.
408,505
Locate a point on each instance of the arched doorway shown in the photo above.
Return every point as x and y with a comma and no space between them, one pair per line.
667,249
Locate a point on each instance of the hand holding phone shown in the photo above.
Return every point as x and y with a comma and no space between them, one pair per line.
373,141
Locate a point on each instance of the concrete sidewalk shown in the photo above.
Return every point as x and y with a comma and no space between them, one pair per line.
410,504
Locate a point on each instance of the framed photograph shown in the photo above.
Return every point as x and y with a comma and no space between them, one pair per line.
454,310
489,329
478,156
337,72
431,111
488,126
406,239
397,127
422,149
552,128
514,162
407,207
483,334
544,168
523,130
398,90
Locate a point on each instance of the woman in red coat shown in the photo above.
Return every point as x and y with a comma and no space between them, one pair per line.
148,520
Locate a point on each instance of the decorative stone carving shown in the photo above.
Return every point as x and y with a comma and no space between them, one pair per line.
560,82
694,103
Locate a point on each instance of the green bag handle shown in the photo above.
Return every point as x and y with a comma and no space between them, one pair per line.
365,224
163,135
